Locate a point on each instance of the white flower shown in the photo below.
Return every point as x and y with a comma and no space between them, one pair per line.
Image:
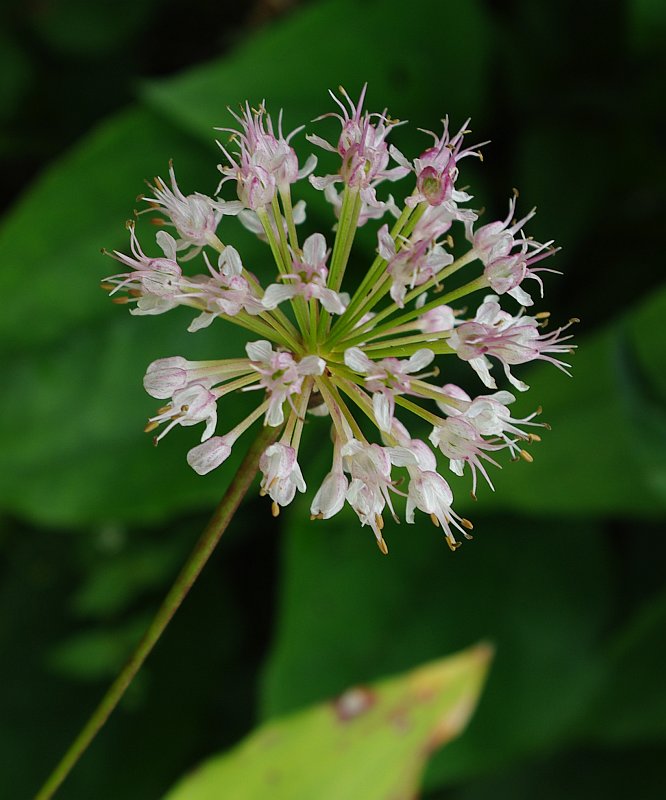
195,216
330,496
387,379
208,456
308,280
282,475
281,375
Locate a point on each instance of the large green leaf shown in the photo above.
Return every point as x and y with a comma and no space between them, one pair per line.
631,707
50,243
73,449
342,42
370,742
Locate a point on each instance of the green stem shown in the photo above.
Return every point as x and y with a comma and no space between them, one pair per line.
376,269
285,196
280,249
376,282
408,316
344,239
183,583
283,267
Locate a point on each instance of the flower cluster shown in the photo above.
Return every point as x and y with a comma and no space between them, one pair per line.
361,358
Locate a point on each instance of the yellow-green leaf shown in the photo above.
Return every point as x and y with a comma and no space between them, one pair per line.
371,742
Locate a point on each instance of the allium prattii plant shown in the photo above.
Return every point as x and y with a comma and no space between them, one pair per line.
349,357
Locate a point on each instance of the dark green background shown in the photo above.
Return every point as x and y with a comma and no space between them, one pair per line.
565,574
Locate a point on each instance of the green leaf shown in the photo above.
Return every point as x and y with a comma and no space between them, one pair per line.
91,29
342,42
371,742
647,24
538,590
73,449
115,582
97,654
50,242
631,708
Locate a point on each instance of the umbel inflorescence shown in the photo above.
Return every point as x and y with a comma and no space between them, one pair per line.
361,358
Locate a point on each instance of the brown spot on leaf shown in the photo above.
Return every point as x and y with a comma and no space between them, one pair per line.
353,703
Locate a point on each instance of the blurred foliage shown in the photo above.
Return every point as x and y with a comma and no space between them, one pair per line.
564,575
371,741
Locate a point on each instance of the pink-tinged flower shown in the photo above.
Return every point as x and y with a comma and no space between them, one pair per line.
155,283
370,468
281,375
427,490
265,161
437,320
461,443
362,146
226,292
430,493
166,376
368,211
194,216
330,496
436,169
507,259
250,220
490,416
512,340
282,475
416,261
206,457
308,279
387,379
189,406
